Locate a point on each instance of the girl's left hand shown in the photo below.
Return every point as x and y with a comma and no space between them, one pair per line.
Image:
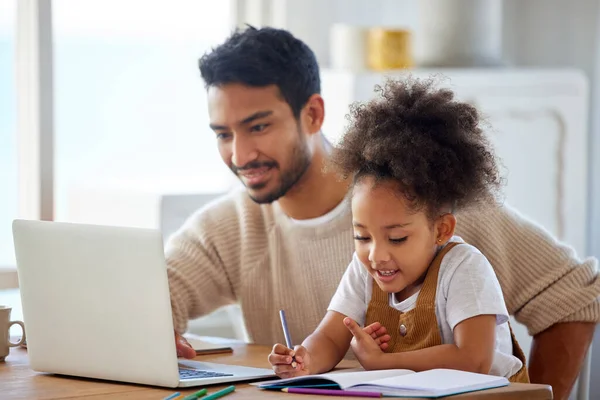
379,333
366,349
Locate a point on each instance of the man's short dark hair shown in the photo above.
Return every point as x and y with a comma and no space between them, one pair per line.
263,57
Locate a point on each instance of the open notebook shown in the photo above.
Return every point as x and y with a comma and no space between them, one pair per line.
396,382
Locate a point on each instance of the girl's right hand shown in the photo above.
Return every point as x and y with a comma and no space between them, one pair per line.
282,359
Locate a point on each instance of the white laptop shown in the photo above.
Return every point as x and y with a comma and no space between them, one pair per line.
96,304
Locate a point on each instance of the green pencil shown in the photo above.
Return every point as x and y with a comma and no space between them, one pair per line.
196,395
220,393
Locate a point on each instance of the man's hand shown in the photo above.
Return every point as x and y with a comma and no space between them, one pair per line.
288,363
366,349
184,349
379,333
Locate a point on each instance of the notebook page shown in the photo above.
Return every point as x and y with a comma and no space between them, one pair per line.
349,379
440,381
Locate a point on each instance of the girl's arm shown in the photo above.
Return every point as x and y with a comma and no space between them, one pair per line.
473,350
328,344
331,340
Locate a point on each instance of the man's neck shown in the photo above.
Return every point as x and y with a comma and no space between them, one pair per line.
316,193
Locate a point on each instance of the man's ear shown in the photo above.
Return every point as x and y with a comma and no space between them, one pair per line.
445,225
313,114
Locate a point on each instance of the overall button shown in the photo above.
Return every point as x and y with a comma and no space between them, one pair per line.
402,330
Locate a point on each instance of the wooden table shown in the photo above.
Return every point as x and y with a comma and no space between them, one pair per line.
18,381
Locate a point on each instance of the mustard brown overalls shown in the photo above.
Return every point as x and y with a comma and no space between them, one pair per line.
418,328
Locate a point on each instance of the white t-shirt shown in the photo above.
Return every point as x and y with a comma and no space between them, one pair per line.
325,218
467,286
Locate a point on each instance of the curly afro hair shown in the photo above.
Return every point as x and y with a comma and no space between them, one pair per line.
432,145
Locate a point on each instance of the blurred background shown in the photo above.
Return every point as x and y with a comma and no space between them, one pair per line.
103,113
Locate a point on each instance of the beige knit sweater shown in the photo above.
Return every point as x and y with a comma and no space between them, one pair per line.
234,250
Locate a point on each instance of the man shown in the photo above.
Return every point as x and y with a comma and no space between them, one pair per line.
285,241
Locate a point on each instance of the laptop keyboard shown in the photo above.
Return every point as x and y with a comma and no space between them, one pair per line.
186,373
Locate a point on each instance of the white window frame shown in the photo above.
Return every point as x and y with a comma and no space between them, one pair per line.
35,117
35,109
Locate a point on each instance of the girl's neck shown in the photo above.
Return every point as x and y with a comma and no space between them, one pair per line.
410,289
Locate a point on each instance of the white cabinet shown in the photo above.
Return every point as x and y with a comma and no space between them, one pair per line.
538,123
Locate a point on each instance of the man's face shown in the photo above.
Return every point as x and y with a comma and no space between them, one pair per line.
259,139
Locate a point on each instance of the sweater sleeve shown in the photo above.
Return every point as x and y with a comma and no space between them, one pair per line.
200,276
542,279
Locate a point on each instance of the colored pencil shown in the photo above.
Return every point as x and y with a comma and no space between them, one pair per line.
286,334
196,395
220,393
329,392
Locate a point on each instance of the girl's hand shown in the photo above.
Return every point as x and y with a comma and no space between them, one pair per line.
288,363
366,349
379,333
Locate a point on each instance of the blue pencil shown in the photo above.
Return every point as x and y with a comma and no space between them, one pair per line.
286,333
171,397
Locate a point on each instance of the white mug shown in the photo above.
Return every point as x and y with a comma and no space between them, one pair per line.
5,324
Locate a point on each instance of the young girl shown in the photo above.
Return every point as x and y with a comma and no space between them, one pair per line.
427,299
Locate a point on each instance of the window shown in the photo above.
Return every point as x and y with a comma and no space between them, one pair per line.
131,120
8,143
8,160
130,106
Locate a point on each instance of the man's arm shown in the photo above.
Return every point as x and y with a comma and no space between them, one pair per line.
202,257
546,287
557,355
198,283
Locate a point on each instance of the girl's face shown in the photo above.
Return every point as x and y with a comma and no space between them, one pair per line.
395,243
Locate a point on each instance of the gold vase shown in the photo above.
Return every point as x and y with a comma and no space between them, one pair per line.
389,49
